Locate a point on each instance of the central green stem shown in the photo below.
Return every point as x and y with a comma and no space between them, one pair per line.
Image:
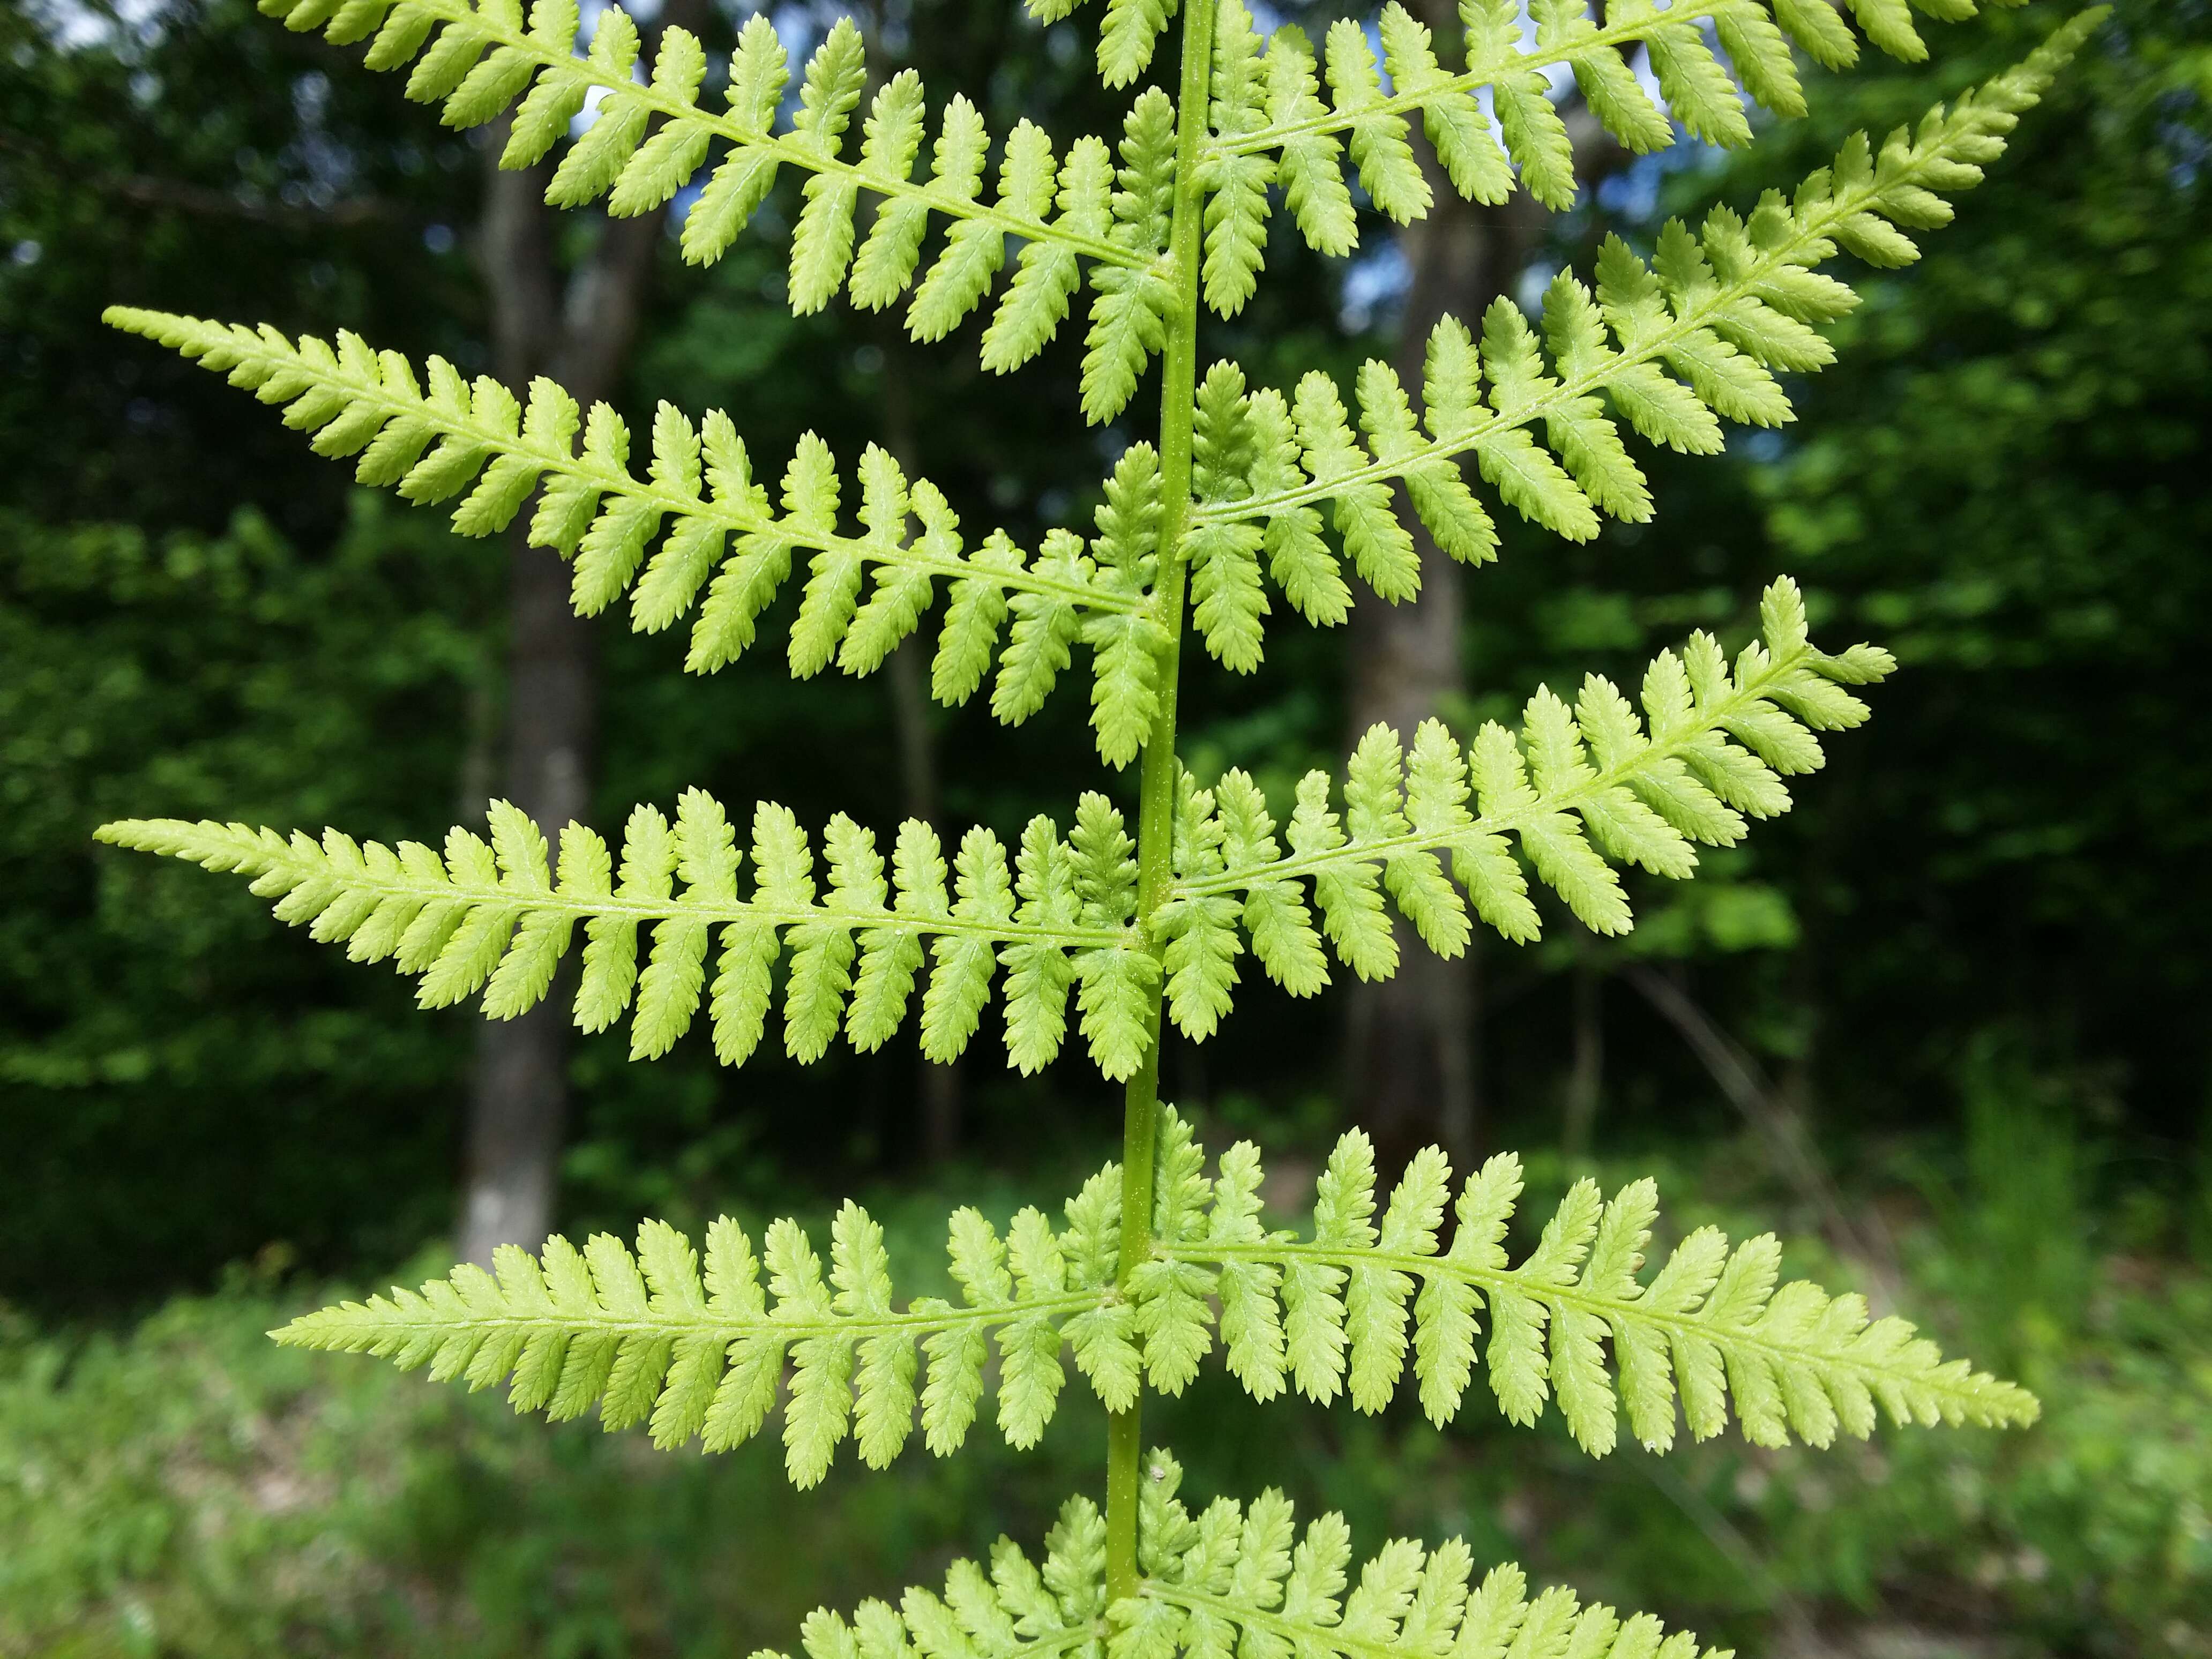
1158,774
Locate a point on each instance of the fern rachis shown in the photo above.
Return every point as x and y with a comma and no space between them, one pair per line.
1156,1269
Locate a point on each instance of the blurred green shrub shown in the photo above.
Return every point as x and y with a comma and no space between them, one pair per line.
139,1035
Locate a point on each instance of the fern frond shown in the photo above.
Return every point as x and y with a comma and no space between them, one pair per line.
1673,347
1126,37
1295,133
1234,1579
648,1339
666,538
1580,788
1344,1310
1241,1578
650,138
493,916
1017,1608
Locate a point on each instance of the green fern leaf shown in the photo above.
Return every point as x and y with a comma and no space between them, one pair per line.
1239,1578
721,533
1675,346
1376,138
886,261
1581,788
645,141
1709,1327
1308,164
1456,123
1127,326
487,917
646,1338
1126,40
1304,137
703,1343
1237,209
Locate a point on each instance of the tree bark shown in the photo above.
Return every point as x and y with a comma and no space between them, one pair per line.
578,332
940,1094
1412,1047
1586,1074
938,1087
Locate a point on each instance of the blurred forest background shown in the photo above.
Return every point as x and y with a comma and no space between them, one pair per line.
1936,1027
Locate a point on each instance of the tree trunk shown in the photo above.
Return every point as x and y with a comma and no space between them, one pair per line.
1586,1074
578,332
1412,1047
938,1088
1413,1042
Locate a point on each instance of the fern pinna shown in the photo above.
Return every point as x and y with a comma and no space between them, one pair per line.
1108,921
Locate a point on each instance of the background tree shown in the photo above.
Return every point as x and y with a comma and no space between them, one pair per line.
576,327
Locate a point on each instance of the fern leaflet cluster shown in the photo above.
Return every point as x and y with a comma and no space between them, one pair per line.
646,141
723,538
1240,1579
1347,1311
1236,1578
1674,347
1154,1264
1578,790
1276,108
490,915
648,1338
1017,1609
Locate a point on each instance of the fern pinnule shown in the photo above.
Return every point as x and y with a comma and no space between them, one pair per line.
1273,123
1675,346
1330,1314
649,1338
1578,790
491,915
718,543
648,139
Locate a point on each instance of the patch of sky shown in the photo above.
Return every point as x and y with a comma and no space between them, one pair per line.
1374,284
72,25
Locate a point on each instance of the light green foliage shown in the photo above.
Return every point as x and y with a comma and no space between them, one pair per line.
696,531
1240,1577
1159,1263
1673,347
1014,1608
1128,32
481,58
492,917
1234,1578
1129,319
693,1344
1306,135
1330,1313
2105,1489
1575,792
